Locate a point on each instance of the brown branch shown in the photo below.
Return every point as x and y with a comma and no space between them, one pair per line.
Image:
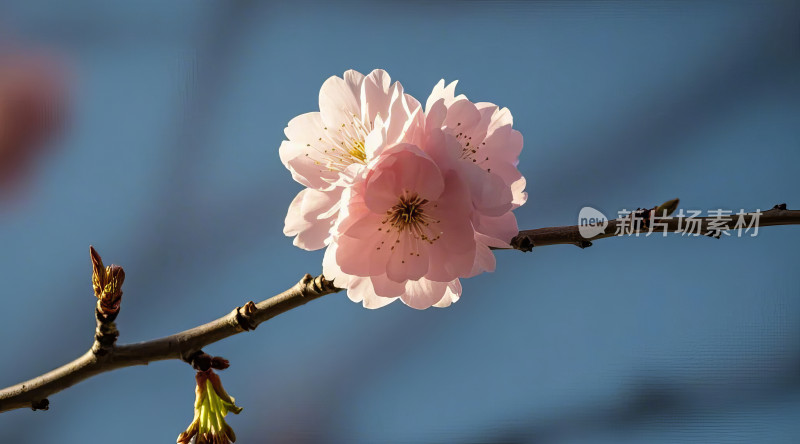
187,345
181,345
528,239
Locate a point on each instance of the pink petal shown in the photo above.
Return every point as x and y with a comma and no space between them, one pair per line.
453,294
518,191
408,260
462,114
437,112
454,206
387,288
306,128
339,102
375,95
362,290
311,216
415,123
382,190
404,167
484,260
502,228
361,257
375,141
446,266
442,92
361,225
304,168
443,148
487,109
504,143
404,116
331,269
501,117
353,79
482,239
423,293
490,194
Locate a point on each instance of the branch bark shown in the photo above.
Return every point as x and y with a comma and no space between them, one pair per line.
184,345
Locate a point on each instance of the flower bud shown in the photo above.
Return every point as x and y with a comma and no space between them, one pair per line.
107,284
212,404
667,208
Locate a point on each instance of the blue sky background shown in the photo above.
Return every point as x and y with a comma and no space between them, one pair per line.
170,168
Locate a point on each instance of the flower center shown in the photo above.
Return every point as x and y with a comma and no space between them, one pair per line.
408,217
358,152
407,212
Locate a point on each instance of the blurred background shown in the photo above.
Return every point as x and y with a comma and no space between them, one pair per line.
166,160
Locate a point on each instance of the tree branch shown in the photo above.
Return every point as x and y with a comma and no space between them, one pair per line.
181,345
528,239
107,356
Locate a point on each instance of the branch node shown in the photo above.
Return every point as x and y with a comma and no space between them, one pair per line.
244,316
105,336
312,286
522,243
583,244
199,360
41,404
202,361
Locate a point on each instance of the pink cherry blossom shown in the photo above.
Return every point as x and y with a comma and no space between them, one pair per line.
406,202
404,232
484,131
327,150
487,142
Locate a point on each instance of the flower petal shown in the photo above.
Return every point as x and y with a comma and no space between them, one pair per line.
484,259
306,170
453,294
408,259
404,168
339,101
442,92
387,288
375,95
502,228
311,216
424,293
362,290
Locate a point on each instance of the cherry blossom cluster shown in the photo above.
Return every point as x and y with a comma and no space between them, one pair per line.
405,200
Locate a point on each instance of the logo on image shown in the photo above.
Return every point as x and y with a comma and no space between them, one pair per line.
591,222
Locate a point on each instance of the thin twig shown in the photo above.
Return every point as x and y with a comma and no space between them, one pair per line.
185,345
